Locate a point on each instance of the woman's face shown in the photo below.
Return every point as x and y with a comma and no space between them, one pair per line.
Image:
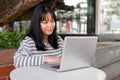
47,25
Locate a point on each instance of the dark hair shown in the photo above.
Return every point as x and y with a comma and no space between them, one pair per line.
35,31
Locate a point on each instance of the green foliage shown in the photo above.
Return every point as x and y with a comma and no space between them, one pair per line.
11,39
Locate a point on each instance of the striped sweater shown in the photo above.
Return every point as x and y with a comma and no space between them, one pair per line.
28,55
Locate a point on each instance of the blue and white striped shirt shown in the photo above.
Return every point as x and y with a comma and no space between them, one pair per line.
28,55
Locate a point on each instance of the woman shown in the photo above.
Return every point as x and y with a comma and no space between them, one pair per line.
41,42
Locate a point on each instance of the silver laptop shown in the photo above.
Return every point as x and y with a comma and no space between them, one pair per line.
78,52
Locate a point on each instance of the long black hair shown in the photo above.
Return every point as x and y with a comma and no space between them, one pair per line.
35,31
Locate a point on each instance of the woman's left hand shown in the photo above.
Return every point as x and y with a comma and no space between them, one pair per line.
51,59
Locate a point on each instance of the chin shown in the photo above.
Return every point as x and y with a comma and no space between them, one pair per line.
49,33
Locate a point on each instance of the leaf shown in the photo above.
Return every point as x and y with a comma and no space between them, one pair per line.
11,39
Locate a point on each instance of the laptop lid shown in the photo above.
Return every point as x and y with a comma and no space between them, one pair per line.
78,52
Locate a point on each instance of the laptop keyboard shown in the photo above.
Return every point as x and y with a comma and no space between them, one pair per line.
56,67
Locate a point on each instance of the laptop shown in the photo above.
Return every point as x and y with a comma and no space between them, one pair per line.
78,52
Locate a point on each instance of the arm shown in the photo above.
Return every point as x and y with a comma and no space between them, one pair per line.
23,56
51,59
55,58
26,57
61,44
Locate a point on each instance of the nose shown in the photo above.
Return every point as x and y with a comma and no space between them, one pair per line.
49,24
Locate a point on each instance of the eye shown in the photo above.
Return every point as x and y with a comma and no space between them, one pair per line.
44,22
52,20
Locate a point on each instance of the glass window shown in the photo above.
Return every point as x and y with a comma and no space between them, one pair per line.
76,21
81,20
109,17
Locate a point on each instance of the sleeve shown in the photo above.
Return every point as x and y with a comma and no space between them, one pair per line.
61,44
23,56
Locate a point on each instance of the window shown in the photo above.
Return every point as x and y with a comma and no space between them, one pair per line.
109,16
79,21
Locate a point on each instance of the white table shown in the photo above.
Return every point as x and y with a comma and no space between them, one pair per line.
37,73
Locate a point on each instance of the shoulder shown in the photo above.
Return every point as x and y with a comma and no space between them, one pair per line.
27,40
60,40
59,37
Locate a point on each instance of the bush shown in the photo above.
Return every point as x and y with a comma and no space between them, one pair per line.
11,39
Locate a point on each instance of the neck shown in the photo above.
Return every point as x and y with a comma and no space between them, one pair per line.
46,40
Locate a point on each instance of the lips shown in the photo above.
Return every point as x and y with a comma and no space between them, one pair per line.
50,30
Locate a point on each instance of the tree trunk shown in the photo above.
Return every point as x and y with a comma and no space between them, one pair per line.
15,8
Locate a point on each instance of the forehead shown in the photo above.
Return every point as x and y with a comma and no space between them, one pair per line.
47,16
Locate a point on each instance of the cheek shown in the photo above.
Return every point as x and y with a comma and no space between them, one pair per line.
42,27
53,25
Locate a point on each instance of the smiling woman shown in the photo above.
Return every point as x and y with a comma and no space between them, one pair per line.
40,40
